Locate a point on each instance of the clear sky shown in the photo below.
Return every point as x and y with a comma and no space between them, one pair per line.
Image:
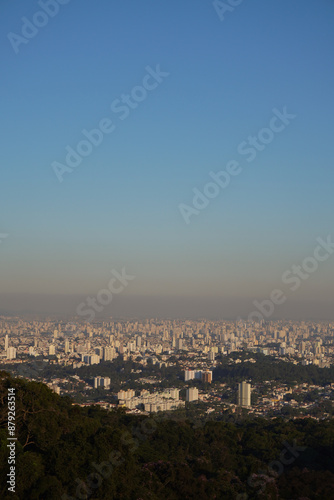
222,77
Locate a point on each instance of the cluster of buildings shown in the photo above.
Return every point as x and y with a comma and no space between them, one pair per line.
194,345
151,402
102,382
203,375
10,352
82,343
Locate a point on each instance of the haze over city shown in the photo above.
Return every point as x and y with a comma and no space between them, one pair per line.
192,93
167,250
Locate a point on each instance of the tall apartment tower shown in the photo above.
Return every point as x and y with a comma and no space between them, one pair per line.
179,344
6,342
192,394
207,376
244,394
67,346
211,356
11,353
108,353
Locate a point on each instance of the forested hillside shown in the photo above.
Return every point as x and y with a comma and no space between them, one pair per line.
65,451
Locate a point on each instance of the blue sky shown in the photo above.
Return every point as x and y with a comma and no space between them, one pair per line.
120,206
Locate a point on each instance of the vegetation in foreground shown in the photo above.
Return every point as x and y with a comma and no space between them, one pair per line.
65,451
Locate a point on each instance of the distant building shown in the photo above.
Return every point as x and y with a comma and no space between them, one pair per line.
123,395
189,375
108,353
192,374
173,393
99,351
52,350
11,353
244,394
207,377
67,347
102,382
6,342
132,346
211,356
179,344
94,359
192,394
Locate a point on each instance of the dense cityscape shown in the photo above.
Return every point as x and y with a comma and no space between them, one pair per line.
166,250
195,366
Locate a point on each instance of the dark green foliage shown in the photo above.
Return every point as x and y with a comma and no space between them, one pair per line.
64,449
270,368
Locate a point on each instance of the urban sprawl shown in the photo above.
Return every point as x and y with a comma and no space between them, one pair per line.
147,366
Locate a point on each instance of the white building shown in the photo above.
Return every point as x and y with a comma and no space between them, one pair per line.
102,382
131,346
244,394
189,375
94,359
192,394
126,394
11,353
192,374
52,350
109,353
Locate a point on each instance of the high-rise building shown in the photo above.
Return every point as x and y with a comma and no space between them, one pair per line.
67,346
193,374
99,351
189,375
174,393
130,393
207,376
131,346
52,350
244,394
6,342
192,394
11,353
108,353
102,382
211,356
179,344
93,359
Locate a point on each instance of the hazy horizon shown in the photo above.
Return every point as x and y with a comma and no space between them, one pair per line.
191,149
62,307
